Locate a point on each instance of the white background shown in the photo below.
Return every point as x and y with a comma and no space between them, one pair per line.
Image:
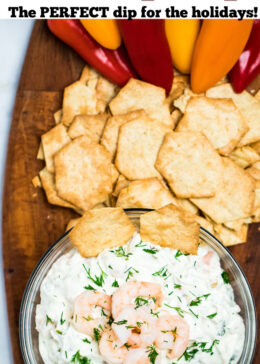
14,36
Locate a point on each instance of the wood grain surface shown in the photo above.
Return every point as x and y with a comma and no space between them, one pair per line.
30,224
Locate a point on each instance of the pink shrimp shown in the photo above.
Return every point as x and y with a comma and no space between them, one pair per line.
135,326
91,310
111,352
207,257
172,334
126,294
138,356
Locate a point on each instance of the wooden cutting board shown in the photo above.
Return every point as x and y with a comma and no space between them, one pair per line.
30,224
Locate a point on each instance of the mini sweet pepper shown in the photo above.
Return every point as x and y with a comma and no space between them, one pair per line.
248,66
148,49
218,47
104,31
113,64
182,35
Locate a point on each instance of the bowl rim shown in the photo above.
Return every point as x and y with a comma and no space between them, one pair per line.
53,245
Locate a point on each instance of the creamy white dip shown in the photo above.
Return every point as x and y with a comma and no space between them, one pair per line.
197,291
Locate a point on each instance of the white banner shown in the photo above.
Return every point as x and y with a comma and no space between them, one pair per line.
145,9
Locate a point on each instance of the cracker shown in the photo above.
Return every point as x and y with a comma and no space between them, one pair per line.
114,174
171,227
121,183
111,130
187,205
245,156
57,116
256,165
83,173
36,181
254,172
176,116
106,90
204,223
257,95
40,153
72,223
248,105
182,101
256,212
256,146
136,95
138,145
234,198
145,193
90,125
78,99
48,184
237,224
230,237
52,141
190,164
218,119
88,74
101,229
180,83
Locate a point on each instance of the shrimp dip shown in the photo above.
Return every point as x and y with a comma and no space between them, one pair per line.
139,303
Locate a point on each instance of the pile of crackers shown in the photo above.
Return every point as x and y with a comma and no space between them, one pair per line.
106,228
134,148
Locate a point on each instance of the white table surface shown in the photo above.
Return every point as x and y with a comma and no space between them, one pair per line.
14,36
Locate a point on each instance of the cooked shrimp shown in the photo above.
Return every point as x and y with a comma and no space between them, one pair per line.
207,257
91,310
172,334
136,327
111,352
126,295
138,356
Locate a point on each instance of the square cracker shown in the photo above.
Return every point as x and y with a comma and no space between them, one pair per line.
182,101
111,130
121,183
57,116
90,125
245,156
190,164
138,144
218,119
234,198
136,95
52,141
145,193
230,237
78,98
48,184
248,105
101,229
40,153
171,227
256,146
83,173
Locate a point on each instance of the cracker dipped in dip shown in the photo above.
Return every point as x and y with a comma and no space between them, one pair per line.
122,297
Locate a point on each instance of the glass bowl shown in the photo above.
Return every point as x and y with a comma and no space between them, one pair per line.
27,327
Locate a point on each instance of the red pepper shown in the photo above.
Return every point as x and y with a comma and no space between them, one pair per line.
248,65
113,64
148,49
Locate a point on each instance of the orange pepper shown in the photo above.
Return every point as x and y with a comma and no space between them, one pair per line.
218,47
104,31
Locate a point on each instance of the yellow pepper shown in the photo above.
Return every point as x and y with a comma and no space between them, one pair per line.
182,35
104,31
